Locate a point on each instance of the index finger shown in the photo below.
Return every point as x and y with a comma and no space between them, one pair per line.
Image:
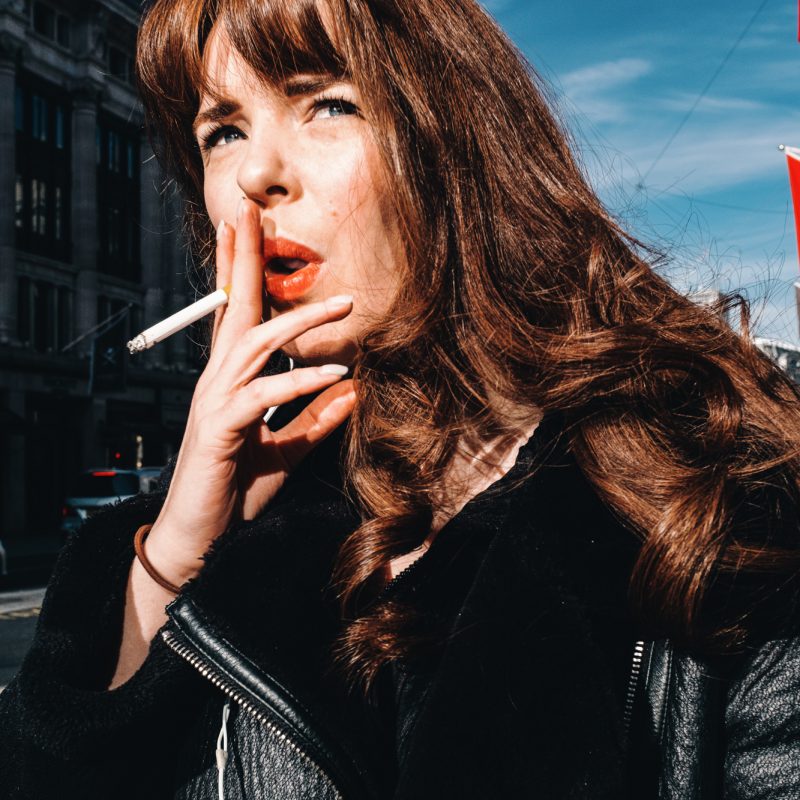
245,304
224,267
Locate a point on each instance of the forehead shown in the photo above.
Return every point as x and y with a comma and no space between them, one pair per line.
225,71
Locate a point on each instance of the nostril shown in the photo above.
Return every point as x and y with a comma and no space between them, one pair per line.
274,190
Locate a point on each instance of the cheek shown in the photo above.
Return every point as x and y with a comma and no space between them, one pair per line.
336,175
361,209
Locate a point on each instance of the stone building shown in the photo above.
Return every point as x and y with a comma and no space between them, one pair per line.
86,234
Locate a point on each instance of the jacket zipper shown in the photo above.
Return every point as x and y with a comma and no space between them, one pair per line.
633,683
388,588
227,687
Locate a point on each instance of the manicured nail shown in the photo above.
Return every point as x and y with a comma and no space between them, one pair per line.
220,229
340,301
334,369
240,210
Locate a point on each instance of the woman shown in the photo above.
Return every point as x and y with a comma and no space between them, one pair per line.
565,560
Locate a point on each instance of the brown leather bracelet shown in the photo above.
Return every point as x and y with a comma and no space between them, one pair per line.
138,546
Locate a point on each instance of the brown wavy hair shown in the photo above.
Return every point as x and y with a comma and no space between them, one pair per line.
521,290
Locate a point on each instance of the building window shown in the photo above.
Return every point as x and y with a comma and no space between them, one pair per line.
120,64
23,310
59,137
131,160
58,221
62,30
19,203
44,20
118,180
39,118
43,168
114,231
44,315
65,306
39,207
51,24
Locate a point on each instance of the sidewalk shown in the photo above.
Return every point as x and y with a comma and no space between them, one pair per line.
16,601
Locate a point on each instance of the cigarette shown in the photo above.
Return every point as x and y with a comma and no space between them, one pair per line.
179,320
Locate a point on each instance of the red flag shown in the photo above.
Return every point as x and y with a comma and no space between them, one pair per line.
793,159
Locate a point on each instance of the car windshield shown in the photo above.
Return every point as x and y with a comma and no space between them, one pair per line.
94,485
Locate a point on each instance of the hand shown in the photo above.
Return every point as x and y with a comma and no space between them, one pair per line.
230,464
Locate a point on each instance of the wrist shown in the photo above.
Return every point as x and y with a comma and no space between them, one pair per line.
167,563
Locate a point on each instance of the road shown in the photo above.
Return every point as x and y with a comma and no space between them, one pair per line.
18,613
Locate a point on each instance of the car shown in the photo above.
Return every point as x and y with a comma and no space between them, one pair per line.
148,478
93,489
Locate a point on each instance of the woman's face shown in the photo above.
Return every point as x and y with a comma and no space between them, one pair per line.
305,155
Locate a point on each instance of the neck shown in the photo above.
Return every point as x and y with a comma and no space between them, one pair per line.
475,467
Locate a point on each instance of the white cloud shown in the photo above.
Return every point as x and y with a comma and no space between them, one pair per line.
683,102
604,75
714,156
593,89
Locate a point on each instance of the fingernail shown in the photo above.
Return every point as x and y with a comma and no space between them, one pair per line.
220,228
340,301
334,369
240,210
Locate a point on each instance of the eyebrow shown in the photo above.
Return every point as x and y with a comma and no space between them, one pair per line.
299,85
296,86
215,113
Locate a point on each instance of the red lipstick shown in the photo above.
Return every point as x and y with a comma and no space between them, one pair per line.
291,269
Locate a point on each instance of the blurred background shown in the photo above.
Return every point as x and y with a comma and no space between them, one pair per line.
90,253
677,110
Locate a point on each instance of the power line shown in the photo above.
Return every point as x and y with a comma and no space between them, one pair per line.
704,91
690,199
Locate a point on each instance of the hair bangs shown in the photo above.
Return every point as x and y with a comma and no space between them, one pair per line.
278,39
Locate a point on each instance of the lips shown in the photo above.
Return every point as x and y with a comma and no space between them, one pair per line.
291,269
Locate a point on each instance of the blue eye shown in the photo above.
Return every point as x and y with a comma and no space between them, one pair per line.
335,106
222,135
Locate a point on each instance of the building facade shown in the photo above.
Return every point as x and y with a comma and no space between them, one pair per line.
87,234
784,354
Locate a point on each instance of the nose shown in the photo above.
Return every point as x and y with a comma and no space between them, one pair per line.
266,174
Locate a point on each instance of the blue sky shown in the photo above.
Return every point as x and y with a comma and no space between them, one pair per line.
626,73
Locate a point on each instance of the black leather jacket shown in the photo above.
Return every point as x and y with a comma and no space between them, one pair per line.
713,729
537,690
693,734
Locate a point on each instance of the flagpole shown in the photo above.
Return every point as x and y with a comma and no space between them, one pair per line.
108,322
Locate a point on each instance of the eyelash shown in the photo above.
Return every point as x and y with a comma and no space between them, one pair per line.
348,105
210,139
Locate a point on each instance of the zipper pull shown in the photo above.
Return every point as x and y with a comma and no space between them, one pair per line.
222,750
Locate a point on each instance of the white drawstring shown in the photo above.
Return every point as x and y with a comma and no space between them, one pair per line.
222,750
272,409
